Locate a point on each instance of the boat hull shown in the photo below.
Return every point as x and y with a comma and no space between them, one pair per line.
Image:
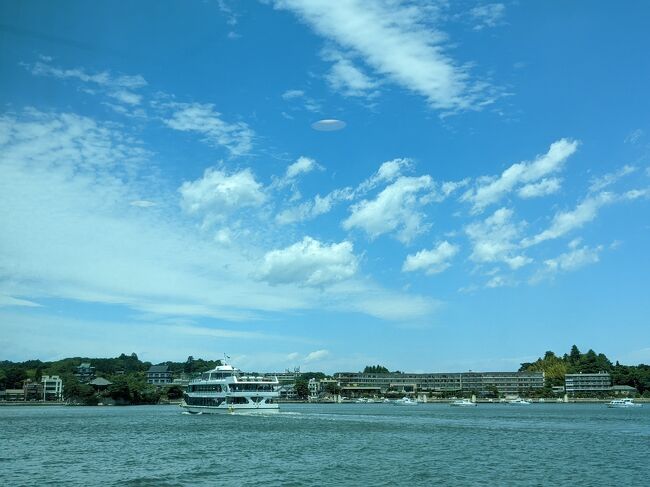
232,409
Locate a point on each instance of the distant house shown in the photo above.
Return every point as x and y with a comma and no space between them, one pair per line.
100,383
33,391
52,388
84,372
159,375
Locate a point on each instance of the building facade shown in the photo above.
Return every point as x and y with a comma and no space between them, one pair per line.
159,375
85,372
470,382
581,383
52,388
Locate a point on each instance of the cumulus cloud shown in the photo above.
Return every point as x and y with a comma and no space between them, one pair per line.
394,40
237,137
303,165
431,261
218,193
395,209
490,190
309,263
495,240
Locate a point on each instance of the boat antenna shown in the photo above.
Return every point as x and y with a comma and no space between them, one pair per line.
226,358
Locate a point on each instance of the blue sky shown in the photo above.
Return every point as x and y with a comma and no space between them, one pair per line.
426,185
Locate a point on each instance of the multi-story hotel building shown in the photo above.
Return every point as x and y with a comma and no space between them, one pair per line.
52,388
575,383
477,382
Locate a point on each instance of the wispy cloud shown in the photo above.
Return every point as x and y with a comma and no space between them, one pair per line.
120,87
488,15
395,41
575,258
602,182
202,118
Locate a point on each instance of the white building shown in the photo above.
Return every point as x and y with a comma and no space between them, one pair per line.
52,388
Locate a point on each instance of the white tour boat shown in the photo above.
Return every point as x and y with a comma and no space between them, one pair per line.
623,403
463,403
225,389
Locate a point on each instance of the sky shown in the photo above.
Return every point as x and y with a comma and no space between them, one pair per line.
429,186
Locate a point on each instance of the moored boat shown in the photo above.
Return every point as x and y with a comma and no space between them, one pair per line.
623,403
405,401
225,389
462,403
519,402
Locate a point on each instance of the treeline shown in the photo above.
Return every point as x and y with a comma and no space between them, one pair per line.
576,362
127,373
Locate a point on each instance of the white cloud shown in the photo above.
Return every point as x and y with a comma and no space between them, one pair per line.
489,15
431,261
218,193
545,187
68,231
303,165
291,94
494,240
566,221
395,209
387,172
121,88
237,137
349,79
394,40
575,258
491,190
311,209
309,263
602,182
317,356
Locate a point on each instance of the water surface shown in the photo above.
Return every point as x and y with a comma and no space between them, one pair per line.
337,444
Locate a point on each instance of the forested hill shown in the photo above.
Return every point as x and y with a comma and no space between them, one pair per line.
576,362
12,374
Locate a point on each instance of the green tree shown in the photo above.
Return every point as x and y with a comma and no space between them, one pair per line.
332,388
301,387
174,392
375,369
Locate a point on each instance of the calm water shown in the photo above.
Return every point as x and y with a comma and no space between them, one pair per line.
350,444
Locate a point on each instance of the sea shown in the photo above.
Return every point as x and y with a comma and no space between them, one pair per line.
327,444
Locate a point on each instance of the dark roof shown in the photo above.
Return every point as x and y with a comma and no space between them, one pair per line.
158,368
100,381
